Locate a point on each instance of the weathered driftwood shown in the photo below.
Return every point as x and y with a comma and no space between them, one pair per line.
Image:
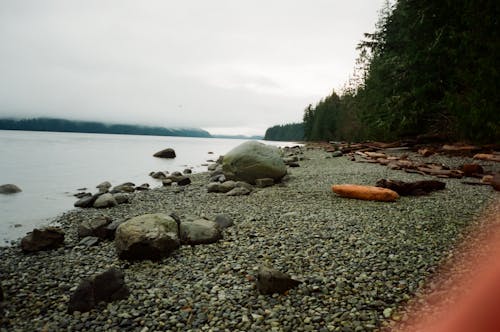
369,193
417,188
487,157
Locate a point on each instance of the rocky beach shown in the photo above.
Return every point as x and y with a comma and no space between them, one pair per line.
358,262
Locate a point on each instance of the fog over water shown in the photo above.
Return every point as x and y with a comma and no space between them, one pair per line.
231,67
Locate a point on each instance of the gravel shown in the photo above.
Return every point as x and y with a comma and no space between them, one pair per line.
359,261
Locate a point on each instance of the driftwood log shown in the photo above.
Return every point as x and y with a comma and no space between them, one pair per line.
417,188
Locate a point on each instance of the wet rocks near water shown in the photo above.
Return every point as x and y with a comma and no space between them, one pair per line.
127,187
417,188
104,186
105,287
9,189
253,160
43,239
86,201
150,236
168,153
143,187
106,200
270,281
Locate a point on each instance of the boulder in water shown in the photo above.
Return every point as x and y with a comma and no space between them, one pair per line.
166,153
9,189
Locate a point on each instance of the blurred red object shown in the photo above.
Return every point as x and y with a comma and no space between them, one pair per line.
474,294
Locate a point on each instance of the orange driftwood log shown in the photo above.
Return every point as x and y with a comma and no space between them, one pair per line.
368,193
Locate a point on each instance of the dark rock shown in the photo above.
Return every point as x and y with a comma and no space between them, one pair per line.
495,182
106,287
417,188
42,239
336,154
471,169
293,164
167,153
187,171
143,187
183,181
223,221
81,195
159,175
265,182
86,202
111,228
270,281
95,227
167,182
9,189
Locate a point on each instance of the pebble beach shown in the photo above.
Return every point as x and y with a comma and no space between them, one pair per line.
360,262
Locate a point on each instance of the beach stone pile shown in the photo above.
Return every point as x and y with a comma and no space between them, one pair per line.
349,265
108,196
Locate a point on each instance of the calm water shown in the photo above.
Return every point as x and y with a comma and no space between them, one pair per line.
50,167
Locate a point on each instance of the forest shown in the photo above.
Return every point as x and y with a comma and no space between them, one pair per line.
287,132
61,125
429,68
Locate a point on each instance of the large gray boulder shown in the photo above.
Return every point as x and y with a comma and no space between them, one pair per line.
253,160
150,236
199,231
9,189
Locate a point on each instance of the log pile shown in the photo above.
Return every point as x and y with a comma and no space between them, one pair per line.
379,153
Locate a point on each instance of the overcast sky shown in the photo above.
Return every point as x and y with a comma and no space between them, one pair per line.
228,66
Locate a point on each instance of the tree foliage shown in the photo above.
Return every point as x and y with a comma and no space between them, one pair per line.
287,132
431,67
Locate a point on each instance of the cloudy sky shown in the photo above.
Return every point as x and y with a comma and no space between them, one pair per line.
228,66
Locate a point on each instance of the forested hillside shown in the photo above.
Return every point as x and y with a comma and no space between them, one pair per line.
287,132
47,124
431,67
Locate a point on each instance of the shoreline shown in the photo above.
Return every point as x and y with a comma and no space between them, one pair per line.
359,261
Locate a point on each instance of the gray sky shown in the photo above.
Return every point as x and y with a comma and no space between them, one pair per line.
228,66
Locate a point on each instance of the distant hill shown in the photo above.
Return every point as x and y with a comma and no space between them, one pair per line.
238,136
61,125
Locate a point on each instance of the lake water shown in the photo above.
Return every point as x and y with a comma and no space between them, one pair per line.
50,167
